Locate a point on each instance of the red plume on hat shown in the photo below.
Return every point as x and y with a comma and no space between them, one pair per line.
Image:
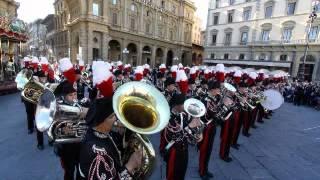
207,74
120,65
193,73
146,69
139,73
26,61
162,68
127,68
174,70
44,64
67,69
252,78
34,62
182,81
102,78
237,76
220,72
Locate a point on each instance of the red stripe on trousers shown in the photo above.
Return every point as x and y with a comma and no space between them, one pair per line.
171,164
203,150
246,122
237,127
224,138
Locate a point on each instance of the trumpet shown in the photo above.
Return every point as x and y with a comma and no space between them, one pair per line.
244,102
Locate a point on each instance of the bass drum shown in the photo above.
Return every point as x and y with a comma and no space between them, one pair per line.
46,109
273,99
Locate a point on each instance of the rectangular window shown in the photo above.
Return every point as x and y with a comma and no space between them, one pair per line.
95,9
268,12
132,23
228,39
212,56
287,33
147,28
114,18
246,14
214,39
283,57
241,57
244,38
291,8
313,34
216,19
114,2
226,56
217,3
265,36
230,16
231,2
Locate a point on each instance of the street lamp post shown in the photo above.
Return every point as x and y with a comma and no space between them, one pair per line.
312,17
125,53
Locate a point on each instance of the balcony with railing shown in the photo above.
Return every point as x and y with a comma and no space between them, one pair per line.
284,42
266,63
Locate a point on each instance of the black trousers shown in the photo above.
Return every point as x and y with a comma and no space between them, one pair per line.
31,110
69,158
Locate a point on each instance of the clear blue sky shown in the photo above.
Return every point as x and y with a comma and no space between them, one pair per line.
31,10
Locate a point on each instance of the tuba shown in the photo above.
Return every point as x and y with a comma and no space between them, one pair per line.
142,109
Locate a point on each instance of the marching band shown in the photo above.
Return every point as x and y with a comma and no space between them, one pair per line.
98,118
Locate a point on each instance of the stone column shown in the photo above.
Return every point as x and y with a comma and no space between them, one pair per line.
90,2
89,45
139,54
105,46
296,64
153,56
124,58
165,54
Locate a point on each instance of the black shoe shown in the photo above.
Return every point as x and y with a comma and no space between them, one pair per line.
267,117
254,126
30,131
261,122
235,147
209,174
205,177
228,159
40,147
50,143
247,134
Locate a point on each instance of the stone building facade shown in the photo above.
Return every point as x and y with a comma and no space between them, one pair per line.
197,42
263,34
136,31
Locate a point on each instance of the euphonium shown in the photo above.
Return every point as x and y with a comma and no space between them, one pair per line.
63,123
196,109
142,109
68,125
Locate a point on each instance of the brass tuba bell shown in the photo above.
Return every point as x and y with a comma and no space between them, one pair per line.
142,109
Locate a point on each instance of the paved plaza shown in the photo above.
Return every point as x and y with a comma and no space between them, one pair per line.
284,147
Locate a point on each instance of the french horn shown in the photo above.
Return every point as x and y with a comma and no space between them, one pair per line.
142,109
